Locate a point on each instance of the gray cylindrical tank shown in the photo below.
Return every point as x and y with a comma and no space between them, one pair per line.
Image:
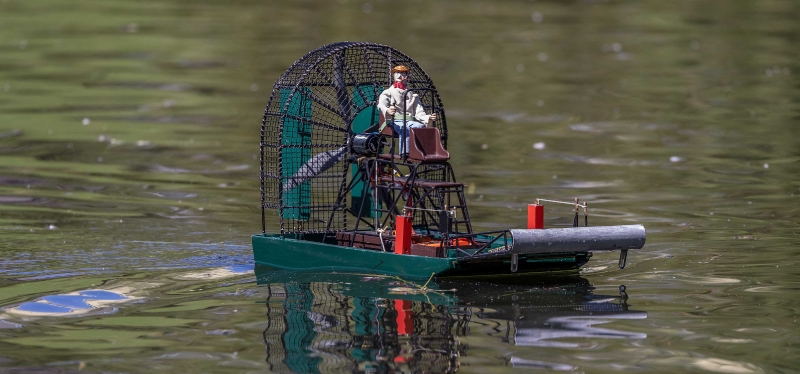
578,239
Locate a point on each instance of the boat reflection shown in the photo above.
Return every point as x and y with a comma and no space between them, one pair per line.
322,323
544,312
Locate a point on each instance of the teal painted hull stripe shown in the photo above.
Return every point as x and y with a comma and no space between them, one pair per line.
295,254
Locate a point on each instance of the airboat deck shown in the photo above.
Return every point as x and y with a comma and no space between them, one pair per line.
347,200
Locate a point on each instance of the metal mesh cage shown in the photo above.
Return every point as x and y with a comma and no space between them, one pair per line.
316,107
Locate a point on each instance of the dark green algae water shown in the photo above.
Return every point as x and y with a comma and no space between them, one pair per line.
128,163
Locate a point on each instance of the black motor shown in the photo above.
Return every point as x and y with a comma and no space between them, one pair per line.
368,144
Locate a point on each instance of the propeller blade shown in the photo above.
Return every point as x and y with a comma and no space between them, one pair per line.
315,166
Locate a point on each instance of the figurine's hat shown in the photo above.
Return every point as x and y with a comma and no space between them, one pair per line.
400,69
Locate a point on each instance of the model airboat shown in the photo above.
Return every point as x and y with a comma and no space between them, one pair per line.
359,176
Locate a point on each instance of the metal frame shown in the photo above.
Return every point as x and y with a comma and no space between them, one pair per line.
309,120
311,111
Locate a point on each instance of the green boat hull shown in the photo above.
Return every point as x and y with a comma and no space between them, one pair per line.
289,252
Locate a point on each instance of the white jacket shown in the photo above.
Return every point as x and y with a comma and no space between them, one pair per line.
394,96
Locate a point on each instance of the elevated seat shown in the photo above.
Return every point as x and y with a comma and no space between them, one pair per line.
425,146
388,131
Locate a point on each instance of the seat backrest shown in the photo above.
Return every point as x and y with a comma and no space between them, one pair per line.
425,145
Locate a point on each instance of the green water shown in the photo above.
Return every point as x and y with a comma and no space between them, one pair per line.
128,162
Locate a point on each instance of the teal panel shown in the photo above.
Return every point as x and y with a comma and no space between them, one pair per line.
360,196
297,200
284,253
369,115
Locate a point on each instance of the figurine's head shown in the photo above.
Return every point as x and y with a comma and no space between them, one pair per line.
400,73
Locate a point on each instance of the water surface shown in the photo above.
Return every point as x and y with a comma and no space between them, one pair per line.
128,165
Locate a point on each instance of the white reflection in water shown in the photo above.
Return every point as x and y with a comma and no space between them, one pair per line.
541,334
73,303
218,273
9,325
689,278
517,362
96,301
591,184
616,162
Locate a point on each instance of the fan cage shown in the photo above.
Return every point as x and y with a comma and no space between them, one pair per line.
315,108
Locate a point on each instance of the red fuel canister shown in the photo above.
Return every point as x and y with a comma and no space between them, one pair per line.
535,216
402,239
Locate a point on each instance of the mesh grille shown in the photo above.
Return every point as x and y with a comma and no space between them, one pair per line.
307,127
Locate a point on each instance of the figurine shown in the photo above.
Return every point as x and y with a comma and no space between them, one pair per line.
390,103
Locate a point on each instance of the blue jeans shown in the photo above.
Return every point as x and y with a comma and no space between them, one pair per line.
403,132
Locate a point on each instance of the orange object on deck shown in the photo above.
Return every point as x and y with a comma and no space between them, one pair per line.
535,216
402,239
460,242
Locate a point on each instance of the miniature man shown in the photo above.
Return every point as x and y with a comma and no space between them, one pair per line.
391,105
